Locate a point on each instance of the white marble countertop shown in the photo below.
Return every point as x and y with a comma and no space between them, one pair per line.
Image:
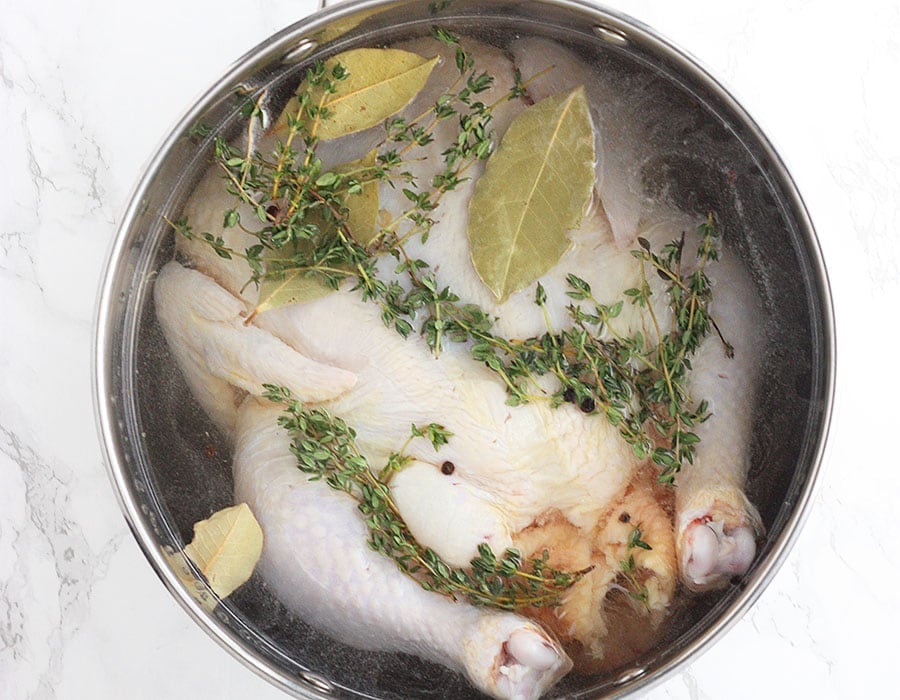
89,88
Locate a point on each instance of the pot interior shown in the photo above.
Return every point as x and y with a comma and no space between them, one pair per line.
175,467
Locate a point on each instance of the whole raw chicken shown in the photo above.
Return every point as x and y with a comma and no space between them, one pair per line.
531,477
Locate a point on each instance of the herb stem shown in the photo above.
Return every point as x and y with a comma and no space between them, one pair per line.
637,382
326,449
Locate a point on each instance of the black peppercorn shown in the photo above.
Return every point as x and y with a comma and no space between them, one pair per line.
447,468
587,405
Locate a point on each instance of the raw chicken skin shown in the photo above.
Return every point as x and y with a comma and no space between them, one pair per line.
318,564
532,477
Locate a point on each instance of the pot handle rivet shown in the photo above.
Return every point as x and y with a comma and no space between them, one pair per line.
316,682
630,675
300,51
611,35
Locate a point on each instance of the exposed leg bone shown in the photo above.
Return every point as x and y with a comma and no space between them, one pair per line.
710,554
716,524
511,465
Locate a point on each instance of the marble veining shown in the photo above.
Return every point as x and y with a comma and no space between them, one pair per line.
47,544
87,91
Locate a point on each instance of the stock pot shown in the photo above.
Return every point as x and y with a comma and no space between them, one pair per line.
170,468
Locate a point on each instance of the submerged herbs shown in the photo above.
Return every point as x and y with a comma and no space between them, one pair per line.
325,448
318,228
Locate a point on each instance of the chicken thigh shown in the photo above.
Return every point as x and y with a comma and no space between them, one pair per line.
716,525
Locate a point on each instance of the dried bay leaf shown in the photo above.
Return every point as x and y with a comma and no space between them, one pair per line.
195,586
226,548
295,286
381,82
362,219
534,190
291,287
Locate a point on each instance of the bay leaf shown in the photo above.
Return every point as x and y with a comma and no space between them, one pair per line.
293,287
362,219
179,563
296,286
380,83
226,548
534,190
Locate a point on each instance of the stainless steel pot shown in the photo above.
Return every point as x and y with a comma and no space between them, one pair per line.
170,468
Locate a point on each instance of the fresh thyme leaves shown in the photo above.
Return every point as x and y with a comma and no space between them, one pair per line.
638,383
199,131
305,209
374,84
326,449
636,590
306,243
436,434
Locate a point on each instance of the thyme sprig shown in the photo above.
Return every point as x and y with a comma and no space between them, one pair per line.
326,449
637,381
629,569
302,206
